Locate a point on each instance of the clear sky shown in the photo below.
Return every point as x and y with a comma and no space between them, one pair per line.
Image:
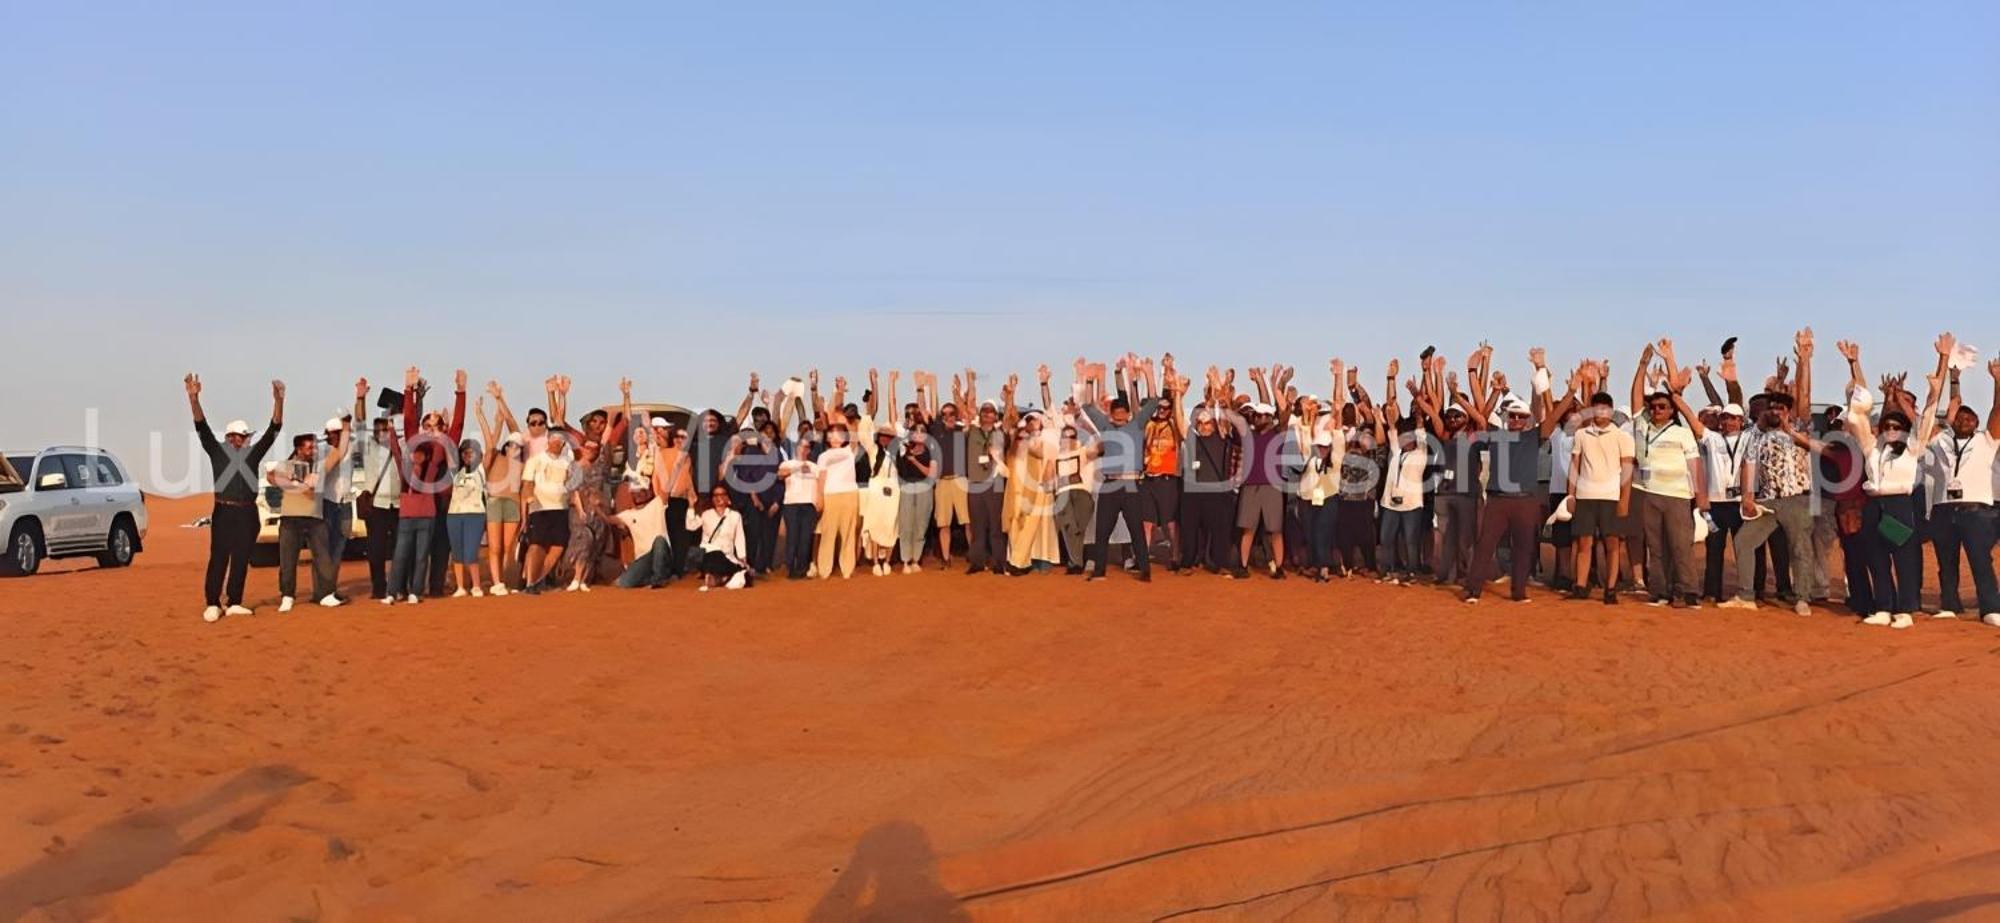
682,193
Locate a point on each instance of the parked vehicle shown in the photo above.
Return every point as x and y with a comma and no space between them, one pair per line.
268,497
67,502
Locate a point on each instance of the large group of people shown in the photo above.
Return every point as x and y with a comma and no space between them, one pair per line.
1459,480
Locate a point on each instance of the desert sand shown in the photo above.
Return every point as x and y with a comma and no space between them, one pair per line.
943,747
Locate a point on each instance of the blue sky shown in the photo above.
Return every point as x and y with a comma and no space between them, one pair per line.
682,193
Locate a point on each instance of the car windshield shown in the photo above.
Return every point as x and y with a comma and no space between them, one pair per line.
11,467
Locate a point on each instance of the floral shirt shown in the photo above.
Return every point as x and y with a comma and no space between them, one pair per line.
1784,469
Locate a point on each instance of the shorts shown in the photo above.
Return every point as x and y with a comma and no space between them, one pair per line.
1598,518
1260,506
1160,499
949,497
549,528
1559,532
503,509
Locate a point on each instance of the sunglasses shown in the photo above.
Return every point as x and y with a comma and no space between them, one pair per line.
538,422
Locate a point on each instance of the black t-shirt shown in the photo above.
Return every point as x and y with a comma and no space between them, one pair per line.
906,463
235,471
1516,462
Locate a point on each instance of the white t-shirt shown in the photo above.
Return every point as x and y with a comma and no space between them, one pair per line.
550,475
1600,453
1403,488
1723,457
836,468
1965,465
1662,458
801,479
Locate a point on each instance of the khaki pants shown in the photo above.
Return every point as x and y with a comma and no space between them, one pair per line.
837,524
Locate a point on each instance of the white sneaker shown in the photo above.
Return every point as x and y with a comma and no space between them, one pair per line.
1736,603
812,571
499,589
583,587
1802,607
460,593
1991,618
477,592
737,581
211,613
412,599
284,604
238,610
1879,618
916,568
702,589
331,601
1902,620
1945,614
387,600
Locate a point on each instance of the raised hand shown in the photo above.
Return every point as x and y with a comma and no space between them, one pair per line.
562,385
1666,349
1849,350
1702,368
840,383
1395,368
193,384
1802,344
361,387
754,381
1538,357
1679,379
410,376
493,388
1450,384
277,389
1945,344
1499,381
812,380
1993,368
1729,367
1646,355
625,388
1041,373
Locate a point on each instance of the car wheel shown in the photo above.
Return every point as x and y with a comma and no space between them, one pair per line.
24,551
120,546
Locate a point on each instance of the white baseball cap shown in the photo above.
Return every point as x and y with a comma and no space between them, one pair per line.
1732,409
237,428
334,423
659,421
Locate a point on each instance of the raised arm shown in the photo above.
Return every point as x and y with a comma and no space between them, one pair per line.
749,397
1802,347
486,436
1639,377
873,399
410,420
456,425
1551,417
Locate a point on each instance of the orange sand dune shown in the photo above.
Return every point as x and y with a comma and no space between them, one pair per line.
944,747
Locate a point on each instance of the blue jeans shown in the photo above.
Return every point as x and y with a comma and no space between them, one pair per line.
1973,529
410,569
800,521
337,516
1321,525
465,531
652,569
1401,532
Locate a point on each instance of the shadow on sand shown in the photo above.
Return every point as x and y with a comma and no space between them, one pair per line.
892,875
130,848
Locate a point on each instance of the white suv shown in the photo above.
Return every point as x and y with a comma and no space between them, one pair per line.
66,502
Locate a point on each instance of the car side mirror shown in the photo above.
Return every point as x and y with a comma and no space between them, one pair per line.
54,480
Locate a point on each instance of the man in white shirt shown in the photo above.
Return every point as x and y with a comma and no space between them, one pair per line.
1600,480
1963,516
1723,452
546,479
1670,486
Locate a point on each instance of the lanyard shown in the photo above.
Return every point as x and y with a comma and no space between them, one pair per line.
1958,450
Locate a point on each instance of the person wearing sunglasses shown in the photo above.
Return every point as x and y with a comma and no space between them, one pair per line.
1668,484
1514,501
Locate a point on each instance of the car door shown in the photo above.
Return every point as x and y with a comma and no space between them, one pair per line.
109,492
59,503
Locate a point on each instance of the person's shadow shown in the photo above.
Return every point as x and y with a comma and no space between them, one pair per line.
892,875
123,851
